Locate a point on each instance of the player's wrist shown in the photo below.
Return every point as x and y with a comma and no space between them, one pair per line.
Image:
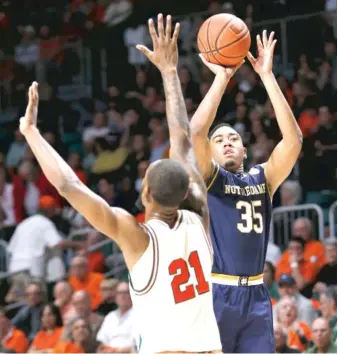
266,75
169,71
31,130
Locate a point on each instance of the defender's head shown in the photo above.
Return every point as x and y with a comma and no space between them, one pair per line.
166,184
227,147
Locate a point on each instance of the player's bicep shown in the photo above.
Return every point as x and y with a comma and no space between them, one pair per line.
280,164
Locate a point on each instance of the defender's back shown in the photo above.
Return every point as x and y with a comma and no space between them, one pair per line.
171,288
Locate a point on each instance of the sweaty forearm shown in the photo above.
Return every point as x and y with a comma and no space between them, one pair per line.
285,118
206,112
57,171
178,123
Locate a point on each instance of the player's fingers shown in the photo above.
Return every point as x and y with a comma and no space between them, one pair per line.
160,28
259,43
203,59
147,52
168,28
176,33
251,58
152,32
273,45
35,94
265,39
271,38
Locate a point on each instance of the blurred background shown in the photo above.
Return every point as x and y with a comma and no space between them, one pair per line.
102,107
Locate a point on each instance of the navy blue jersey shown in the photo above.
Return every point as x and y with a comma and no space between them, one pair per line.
240,213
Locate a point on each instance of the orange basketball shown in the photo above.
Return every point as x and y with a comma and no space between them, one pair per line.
224,39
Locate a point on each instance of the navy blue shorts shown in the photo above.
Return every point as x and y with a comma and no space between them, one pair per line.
244,317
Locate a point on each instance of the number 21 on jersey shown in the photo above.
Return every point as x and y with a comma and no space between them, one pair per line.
182,270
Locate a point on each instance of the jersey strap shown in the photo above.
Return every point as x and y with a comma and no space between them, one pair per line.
213,176
154,271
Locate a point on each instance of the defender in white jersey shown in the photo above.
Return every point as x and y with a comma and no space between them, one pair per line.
171,288
169,257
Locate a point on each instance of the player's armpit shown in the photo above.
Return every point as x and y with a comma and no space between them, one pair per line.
281,163
115,223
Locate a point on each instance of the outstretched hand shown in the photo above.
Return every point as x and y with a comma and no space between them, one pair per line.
30,118
165,52
219,69
265,48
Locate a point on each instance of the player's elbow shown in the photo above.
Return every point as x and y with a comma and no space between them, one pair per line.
198,129
68,187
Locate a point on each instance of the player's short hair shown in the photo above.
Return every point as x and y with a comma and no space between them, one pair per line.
168,182
298,240
216,127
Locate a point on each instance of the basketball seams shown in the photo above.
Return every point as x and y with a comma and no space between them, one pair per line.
221,31
238,39
211,52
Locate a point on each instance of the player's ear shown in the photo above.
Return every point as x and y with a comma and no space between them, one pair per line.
245,154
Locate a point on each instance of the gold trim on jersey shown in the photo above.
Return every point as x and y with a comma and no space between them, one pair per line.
236,277
213,176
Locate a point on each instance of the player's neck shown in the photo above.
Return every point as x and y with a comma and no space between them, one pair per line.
167,215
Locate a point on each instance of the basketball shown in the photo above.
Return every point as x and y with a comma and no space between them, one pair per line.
224,39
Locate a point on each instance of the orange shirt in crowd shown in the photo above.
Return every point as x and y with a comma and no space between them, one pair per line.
294,340
67,347
307,123
308,269
91,285
44,340
314,251
96,262
16,340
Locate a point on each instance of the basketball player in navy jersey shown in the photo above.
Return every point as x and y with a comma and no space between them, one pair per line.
240,207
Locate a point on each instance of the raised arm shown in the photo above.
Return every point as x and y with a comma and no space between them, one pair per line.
205,114
112,222
165,57
285,154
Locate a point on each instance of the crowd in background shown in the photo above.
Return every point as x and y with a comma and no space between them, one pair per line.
111,137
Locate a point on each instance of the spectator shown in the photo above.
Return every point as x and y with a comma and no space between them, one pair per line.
299,333
95,257
63,295
32,238
99,129
78,338
28,319
291,193
281,337
107,191
11,338
108,293
27,51
328,273
50,332
328,305
159,142
16,151
314,250
25,191
303,270
287,287
81,307
80,278
269,281
117,328
322,337
273,253
6,199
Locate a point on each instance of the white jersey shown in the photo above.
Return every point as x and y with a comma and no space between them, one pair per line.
171,288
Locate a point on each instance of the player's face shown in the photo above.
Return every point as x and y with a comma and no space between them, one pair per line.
227,148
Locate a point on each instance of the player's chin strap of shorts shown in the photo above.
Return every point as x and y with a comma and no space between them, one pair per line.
237,280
